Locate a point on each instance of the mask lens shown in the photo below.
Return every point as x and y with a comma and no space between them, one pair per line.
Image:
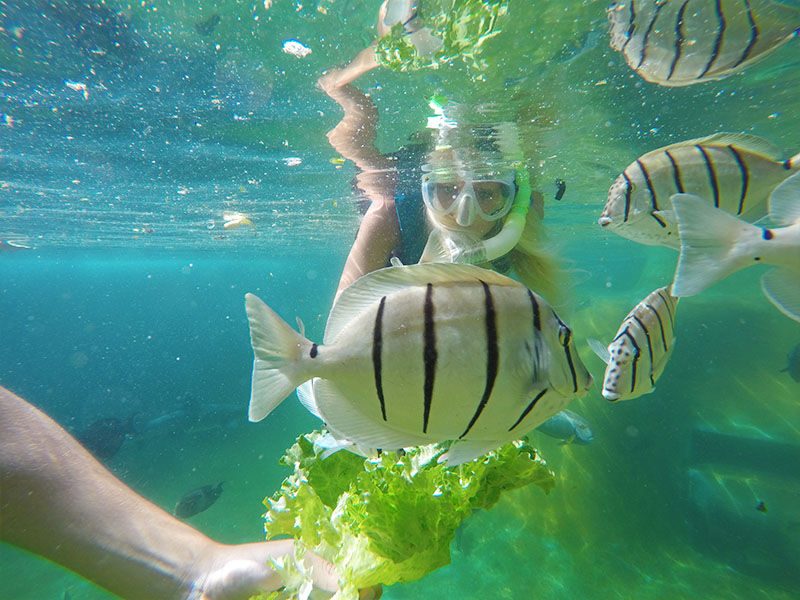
446,194
493,197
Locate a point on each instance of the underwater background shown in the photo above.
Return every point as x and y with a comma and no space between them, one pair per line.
127,129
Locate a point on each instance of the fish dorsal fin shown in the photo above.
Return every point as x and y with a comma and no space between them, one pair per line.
784,203
370,288
751,143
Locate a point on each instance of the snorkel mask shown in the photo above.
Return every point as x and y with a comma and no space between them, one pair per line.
450,186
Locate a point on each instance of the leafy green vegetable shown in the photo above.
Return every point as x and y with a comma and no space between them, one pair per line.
386,519
461,25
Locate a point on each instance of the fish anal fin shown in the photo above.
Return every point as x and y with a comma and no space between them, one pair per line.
346,421
466,450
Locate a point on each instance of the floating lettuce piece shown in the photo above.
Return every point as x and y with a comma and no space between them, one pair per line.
461,25
386,519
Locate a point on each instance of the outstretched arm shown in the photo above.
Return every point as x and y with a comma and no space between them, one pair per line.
354,138
57,501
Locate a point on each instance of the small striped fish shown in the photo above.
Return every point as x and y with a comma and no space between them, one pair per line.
637,355
734,172
681,42
421,354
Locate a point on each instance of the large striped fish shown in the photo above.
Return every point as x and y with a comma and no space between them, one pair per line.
421,354
637,355
681,42
734,172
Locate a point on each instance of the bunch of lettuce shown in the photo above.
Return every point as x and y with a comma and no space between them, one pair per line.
386,519
461,25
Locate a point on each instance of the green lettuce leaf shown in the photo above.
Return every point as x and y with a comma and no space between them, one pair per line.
462,26
386,519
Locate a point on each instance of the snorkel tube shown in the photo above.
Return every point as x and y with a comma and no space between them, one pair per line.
507,238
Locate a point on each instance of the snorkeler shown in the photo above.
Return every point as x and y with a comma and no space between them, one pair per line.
60,503
467,199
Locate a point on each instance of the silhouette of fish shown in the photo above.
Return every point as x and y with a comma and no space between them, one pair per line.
207,26
104,437
196,501
793,364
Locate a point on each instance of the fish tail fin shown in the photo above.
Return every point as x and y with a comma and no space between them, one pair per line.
277,367
709,238
782,288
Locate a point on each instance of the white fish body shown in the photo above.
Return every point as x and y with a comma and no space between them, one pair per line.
682,42
715,244
569,427
734,172
639,352
421,354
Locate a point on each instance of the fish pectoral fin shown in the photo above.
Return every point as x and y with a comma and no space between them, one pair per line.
305,393
348,422
567,441
782,288
466,450
600,349
666,215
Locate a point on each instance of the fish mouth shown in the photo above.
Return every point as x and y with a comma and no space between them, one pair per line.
610,395
604,221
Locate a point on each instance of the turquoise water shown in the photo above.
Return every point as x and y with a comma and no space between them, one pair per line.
131,299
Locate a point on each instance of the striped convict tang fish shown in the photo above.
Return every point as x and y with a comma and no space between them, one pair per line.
637,355
681,42
734,172
421,354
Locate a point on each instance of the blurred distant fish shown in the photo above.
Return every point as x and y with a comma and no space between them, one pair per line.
198,500
568,427
715,244
207,26
734,172
104,437
11,246
681,42
793,365
637,355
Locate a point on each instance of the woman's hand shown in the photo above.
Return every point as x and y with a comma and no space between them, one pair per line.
241,571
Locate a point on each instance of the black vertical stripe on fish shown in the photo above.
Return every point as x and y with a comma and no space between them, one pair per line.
753,35
314,351
537,319
649,183
652,190
492,355
528,408
628,191
643,54
637,352
631,26
429,355
669,310
678,39
568,353
649,346
717,41
660,325
745,177
377,360
676,172
712,174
